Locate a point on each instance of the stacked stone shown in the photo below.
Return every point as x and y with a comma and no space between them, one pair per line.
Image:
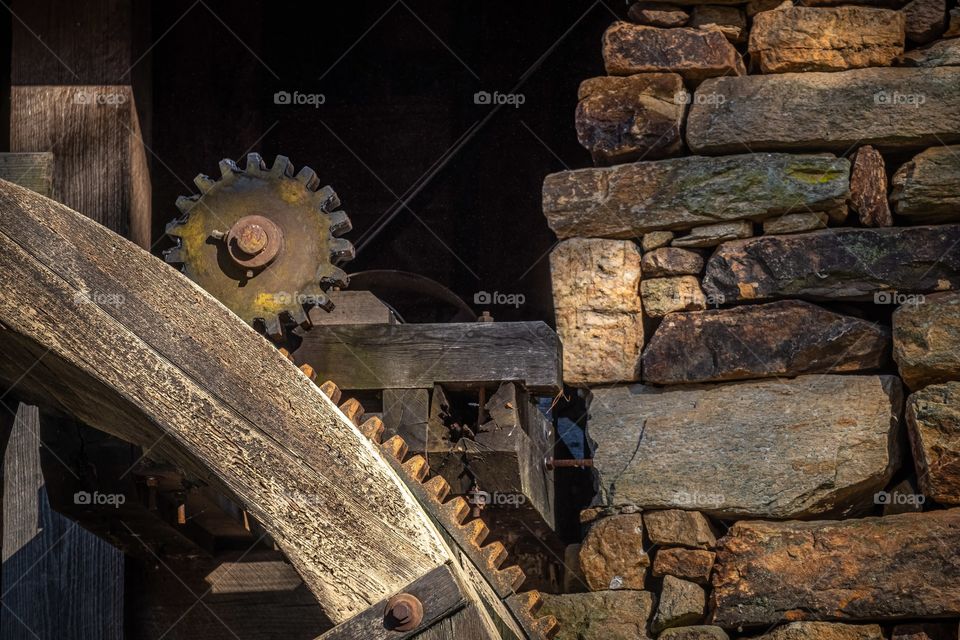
759,284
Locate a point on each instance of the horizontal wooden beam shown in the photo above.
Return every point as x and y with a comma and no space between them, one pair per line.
421,355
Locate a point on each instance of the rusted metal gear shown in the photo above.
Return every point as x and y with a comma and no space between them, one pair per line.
264,242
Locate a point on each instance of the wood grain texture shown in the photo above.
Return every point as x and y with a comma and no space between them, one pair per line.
100,165
71,42
155,360
419,355
43,552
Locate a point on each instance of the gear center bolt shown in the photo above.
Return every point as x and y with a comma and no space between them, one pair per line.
254,242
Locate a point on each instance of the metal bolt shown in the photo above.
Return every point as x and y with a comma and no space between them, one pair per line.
404,612
216,234
252,239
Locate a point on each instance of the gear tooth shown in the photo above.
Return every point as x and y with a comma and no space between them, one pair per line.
173,228
495,554
273,327
547,627
328,198
309,372
299,315
353,410
255,164
282,167
417,467
372,428
335,277
320,299
514,577
438,487
228,168
285,353
396,447
204,182
341,251
186,203
477,530
456,510
173,255
309,178
331,390
339,222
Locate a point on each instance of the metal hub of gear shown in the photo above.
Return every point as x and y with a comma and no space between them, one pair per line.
263,241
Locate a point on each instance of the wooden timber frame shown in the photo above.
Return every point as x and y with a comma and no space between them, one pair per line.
110,334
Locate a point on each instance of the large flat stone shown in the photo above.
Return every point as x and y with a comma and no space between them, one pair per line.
885,107
871,569
926,340
640,116
836,264
772,449
933,418
782,339
825,39
600,615
694,54
596,298
681,193
927,188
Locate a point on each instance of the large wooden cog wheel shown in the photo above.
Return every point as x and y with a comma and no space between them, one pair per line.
94,326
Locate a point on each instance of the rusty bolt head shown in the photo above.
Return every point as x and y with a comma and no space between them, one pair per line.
251,239
404,612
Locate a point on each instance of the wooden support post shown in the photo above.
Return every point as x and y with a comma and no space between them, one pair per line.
41,548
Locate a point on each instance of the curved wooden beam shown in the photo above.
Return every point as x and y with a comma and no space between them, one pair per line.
127,344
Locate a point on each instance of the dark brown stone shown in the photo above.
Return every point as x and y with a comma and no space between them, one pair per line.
927,188
836,264
890,568
730,21
670,261
694,54
926,20
933,415
926,340
599,615
868,188
681,604
625,118
787,338
925,631
658,14
689,564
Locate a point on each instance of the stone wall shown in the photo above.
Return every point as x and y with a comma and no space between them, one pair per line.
758,291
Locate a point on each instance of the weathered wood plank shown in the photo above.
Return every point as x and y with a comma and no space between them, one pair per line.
406,412
100,165
353,307
155,360
419,355
44,551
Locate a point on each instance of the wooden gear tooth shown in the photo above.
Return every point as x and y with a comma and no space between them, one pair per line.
417,467
514,576
456,510
286,354
372,428
477,530
396,447
438,487
353,410
547,627
309,372
495,554
331,390
530,600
